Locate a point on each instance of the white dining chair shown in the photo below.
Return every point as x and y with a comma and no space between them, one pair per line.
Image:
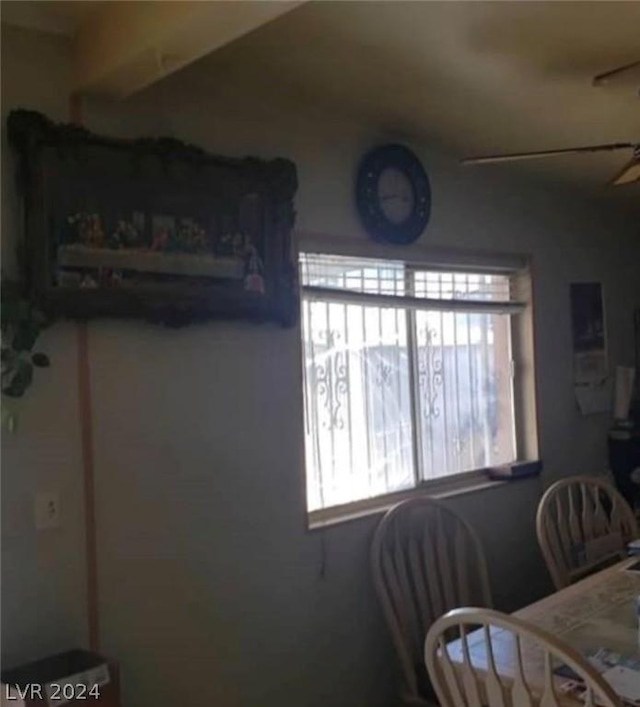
472,677
582,524
425,560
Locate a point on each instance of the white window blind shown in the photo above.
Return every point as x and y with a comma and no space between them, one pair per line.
408,374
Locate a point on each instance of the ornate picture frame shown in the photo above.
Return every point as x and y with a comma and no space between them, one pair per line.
152,228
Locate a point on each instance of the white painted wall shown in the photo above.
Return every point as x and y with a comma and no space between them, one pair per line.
211,589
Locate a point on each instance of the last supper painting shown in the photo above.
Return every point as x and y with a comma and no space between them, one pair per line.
152,228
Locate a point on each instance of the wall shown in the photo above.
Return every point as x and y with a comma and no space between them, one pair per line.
211,589
43,574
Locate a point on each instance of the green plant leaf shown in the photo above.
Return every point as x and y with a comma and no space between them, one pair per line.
20,381
40,360
7,354
25,335
14,311
9,357
21,325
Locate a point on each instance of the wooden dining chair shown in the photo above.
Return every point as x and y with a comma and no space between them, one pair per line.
469,676
425,561
582,523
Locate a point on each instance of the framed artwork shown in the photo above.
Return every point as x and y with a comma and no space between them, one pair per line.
588,330
152,228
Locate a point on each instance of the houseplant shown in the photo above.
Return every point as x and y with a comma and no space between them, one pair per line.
21,325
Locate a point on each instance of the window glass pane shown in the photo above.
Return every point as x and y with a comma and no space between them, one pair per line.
398,395
358,430
355,274
465,401
487,287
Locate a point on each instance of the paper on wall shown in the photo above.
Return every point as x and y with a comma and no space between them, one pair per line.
588,331
593,399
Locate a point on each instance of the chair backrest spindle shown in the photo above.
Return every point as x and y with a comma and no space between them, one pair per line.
466,682
582,523
426,560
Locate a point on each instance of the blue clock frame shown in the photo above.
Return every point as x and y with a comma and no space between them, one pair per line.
372,215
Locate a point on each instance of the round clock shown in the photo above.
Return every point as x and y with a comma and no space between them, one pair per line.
393,194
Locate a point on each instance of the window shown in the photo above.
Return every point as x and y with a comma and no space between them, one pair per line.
408,374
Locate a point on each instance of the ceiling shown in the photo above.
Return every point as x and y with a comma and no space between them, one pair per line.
475,77
55,16
117,47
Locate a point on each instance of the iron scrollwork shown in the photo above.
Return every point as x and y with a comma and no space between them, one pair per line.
430,374
332,380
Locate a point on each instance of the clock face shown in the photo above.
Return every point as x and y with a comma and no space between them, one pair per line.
393,194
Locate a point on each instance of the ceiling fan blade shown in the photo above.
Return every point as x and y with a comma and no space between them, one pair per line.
629,173
604,78
541,154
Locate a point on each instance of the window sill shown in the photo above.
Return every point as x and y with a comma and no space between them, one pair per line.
470,483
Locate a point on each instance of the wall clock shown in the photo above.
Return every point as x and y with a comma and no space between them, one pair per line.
393,194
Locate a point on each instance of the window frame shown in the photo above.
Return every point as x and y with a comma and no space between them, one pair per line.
522,342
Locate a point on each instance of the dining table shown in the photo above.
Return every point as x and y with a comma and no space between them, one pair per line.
597,612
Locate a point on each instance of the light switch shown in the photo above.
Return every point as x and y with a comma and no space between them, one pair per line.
47,510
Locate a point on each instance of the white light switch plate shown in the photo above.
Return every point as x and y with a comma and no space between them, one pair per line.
47,510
